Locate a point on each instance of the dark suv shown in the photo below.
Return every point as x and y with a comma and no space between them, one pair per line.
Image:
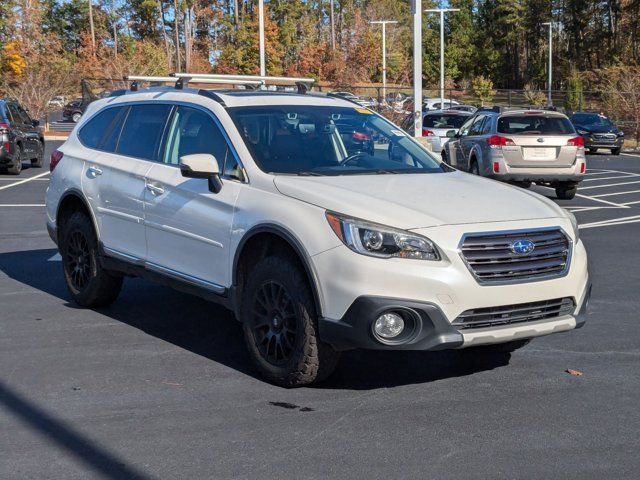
598,131
20,138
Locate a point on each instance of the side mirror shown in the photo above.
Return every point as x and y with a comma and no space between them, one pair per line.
451,133
202,165
35,123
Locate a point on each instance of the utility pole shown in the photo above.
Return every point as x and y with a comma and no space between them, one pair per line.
442,11
263,67
93,32
333,27
177,33
384,54
416,11
550,24
115,28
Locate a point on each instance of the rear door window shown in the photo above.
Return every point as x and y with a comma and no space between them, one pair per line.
444,121
534,125
101,132
142,131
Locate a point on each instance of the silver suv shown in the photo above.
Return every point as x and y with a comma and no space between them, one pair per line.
520,147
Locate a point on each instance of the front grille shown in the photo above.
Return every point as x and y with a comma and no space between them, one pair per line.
508,314
491,259
605,136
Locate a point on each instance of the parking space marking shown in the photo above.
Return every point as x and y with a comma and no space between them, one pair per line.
13,179
631,203
611,185
630,155
626,175
599,172
55,258
611,222
615,193
24,181
22,204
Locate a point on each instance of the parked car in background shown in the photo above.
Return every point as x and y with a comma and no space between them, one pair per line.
436,104
440,125
57,101
73,110
520,147
20,138
463,108
598,131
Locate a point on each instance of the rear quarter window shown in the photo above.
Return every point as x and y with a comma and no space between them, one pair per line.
143,130
534,125
101,130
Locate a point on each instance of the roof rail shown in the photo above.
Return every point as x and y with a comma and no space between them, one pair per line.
181,82
302,83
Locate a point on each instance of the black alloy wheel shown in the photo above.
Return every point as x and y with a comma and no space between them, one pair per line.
79,261
274,323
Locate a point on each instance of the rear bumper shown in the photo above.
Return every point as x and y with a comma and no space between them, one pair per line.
432,330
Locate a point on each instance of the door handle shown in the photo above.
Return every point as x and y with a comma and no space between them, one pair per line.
155,190
94,171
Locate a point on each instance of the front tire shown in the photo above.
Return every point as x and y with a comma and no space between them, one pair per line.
615,151
39,160
593,150
474,169
280,325
76,117
88,282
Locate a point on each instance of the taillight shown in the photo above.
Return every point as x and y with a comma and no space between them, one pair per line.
361,137
496,141
576,142
56,156
496,167
427,133
6,146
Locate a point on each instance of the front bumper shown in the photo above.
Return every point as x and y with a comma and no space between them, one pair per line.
432,331
590,142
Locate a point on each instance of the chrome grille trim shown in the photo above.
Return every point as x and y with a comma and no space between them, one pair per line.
490,260
519,313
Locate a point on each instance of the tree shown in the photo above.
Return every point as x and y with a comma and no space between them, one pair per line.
534,96
482,88
575,97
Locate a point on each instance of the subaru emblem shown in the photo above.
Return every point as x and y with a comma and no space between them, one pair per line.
522,247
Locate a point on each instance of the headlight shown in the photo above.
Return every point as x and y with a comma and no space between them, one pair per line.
621,134
574,224
380,241
583,132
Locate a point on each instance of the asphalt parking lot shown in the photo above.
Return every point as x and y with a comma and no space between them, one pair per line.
159,386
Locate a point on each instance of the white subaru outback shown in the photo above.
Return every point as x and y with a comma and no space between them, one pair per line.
288,209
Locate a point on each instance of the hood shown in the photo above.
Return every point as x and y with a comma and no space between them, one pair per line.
598,128
411,201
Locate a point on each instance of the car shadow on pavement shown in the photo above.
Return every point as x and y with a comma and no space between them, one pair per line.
209,330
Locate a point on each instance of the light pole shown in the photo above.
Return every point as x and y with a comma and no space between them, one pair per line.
442,11
384,54
263,67
416,11
550,101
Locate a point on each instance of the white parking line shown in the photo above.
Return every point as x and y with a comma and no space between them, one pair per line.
24,181
613,221
631,203
630,155
55,258
611,178
610,185
22,204
599,172
615,193
13,179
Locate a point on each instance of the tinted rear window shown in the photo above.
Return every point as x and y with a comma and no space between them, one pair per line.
444,121
94,132
534,125
142,131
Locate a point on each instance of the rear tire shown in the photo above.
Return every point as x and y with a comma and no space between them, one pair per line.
280,325
566,192
88,282
443,155
473,168
615,151
16,168
39,160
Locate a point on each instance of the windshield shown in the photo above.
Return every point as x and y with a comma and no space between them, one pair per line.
312,140
591,119
534,125
446,120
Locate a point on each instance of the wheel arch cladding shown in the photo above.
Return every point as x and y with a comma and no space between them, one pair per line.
70,202
263,240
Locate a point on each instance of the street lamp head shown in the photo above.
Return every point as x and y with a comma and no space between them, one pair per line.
439,10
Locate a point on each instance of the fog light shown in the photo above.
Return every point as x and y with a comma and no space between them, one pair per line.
388,325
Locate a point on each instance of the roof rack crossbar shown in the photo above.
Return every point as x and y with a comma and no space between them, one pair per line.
243,78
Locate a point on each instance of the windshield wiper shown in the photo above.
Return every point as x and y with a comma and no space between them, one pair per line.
309,174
